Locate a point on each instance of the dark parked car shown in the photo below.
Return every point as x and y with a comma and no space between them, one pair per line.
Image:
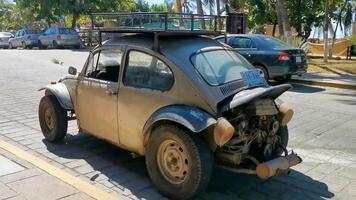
24,38
275,58
59,37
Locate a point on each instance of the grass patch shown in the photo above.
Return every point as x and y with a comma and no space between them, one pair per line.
317,65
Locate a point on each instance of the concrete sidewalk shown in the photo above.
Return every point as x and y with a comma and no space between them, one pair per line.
20,180
337,80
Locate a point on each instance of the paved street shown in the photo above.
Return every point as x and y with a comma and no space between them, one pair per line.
323,132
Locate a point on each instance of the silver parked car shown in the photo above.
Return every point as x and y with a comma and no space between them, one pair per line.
59,37
4,39
24,38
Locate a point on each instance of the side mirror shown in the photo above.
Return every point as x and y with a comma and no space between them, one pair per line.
72,70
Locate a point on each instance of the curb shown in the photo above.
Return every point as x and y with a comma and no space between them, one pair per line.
325,83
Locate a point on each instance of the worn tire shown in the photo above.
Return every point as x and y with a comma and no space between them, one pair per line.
199,162
264,71
53,119
284,136
283,79
55,45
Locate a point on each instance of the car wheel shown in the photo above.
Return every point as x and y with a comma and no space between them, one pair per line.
284,137
264,71
283,79
23,44
53,119
179,164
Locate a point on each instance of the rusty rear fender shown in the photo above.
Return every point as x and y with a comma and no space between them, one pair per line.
193,118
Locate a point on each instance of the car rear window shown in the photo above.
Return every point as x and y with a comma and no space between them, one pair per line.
67,31
274,43
218,67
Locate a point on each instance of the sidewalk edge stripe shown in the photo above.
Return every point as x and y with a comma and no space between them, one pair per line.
76,182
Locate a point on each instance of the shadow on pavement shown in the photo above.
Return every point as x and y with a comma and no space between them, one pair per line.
116,169
306,89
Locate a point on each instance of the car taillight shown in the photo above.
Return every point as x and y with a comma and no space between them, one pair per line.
59,37
29,37
283,56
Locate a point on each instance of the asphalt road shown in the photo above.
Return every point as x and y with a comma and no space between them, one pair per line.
323,132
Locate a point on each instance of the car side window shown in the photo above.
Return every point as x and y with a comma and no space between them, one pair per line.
241,42
146,71
105,65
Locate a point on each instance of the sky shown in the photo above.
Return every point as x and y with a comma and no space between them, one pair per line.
155,1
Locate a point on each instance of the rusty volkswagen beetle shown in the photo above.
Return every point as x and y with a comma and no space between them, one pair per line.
184,101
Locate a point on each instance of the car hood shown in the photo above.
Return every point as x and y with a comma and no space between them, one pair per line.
249,95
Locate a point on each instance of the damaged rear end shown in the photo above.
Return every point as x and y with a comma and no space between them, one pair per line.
251,135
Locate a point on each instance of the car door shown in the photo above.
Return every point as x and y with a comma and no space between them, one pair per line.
244,46
17,38
97,94
146,86
46,37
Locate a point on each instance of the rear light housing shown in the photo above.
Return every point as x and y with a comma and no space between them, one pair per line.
283,56
59,37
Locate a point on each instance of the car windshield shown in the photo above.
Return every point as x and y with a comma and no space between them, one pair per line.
218,67
274,43
5,34
32,32
67,31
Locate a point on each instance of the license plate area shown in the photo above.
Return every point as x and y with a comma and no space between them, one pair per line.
253,78
298,59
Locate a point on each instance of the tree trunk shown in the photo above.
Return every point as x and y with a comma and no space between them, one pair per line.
75,13
218,7
200,12
274,28
179,8
280,22
337,26
285,21
326,30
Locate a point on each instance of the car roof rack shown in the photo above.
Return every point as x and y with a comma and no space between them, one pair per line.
158,23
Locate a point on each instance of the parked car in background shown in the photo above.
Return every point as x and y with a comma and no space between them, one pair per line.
59,38
4,39
24,38
275,58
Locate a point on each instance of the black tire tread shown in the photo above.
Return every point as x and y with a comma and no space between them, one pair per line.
203,156
61,120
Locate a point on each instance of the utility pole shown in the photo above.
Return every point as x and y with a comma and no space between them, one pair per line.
326,31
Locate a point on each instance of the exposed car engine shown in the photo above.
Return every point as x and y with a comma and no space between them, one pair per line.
256,136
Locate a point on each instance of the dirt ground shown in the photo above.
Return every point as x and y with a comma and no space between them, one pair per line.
333,66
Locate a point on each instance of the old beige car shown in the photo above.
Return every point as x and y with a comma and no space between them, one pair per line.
184,101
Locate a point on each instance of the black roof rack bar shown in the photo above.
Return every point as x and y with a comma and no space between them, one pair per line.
157,23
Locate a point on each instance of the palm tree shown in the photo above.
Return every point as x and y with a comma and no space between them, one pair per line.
200,12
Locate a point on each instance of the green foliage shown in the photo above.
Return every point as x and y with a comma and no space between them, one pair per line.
301,43
352,38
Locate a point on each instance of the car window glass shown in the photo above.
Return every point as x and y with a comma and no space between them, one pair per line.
218,67
239,42
146,71
105,65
